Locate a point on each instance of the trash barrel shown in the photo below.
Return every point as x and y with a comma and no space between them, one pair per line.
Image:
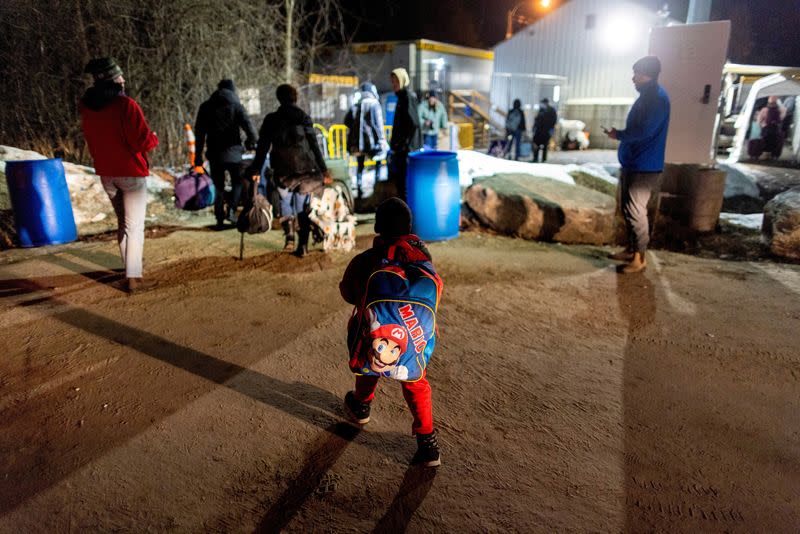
705,199
434,194
40,200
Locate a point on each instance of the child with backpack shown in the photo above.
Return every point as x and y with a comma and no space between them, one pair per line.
392,332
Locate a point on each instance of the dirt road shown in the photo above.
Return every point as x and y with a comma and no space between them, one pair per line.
568,398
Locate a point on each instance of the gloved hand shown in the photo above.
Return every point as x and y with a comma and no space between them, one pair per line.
199,169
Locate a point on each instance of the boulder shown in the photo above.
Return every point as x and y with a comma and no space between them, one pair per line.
542,209
781,228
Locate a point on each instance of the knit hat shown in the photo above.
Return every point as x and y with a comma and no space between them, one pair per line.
393,218
402,77
226,84
649,66
103,68
393,332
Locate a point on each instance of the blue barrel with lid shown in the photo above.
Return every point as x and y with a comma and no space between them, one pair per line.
434,194
40,200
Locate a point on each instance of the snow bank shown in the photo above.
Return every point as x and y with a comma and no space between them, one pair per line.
473,165
90,203
753,221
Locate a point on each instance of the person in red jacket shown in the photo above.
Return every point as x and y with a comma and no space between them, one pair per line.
119,139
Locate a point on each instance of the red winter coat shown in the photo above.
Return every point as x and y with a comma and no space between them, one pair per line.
117,134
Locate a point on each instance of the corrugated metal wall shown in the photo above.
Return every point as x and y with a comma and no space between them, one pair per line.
593,43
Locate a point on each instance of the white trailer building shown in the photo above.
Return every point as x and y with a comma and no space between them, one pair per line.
580,57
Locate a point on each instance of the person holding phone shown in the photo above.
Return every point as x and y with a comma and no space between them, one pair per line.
641,155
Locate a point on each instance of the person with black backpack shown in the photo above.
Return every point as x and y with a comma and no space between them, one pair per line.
297,164
392,332
515,127
219,120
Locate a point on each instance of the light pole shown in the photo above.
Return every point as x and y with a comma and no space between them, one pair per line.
512,15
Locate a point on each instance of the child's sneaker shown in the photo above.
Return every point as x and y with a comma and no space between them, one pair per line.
357,410
427,451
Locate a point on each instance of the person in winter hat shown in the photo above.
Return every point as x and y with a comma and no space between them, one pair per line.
219,120
393,226
298,167
641,155
365,136
119,139
406,134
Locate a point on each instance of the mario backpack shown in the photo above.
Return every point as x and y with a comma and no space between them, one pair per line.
393,332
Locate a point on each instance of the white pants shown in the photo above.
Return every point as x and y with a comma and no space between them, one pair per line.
128,195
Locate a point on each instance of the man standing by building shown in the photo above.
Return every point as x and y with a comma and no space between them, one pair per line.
219,120
405,130
543,126
641,154
432,118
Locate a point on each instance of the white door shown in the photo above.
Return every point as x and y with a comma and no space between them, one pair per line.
692,57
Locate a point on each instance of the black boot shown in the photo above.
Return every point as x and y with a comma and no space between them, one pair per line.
302,236
288,234
427,451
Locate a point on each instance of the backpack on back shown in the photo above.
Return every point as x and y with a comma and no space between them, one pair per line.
393,332
291,152
514,120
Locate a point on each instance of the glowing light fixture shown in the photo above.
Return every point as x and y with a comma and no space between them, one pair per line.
621,31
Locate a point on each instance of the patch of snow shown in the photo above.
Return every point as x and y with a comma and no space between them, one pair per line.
753,221
594,169
472,164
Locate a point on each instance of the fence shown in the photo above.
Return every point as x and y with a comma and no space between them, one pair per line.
333,140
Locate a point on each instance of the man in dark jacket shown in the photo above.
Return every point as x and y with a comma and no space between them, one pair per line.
406,134
515,127
298,167
543,126
218,121
641,154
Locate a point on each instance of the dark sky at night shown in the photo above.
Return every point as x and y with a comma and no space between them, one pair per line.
764,31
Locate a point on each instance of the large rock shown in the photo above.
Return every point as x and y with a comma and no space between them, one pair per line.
781,228
750,186
542,209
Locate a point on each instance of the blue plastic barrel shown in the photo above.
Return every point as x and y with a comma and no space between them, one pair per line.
434,194
40,199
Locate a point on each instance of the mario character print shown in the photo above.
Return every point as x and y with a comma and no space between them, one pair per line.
389,342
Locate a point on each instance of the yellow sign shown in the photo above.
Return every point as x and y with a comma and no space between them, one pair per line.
336,80
373,48
455,50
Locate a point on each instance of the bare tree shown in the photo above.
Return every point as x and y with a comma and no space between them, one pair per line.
173,53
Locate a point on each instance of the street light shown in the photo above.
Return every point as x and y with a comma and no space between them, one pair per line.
512,15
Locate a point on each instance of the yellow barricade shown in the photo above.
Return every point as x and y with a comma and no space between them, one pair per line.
336,138
466,135
337,141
